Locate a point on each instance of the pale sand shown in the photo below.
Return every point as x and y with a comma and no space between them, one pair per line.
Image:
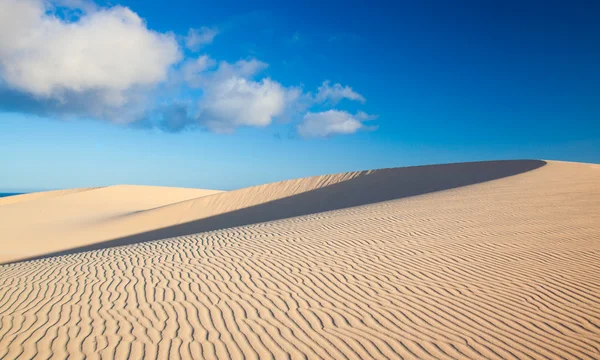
41,195
507,268
88,220
37,223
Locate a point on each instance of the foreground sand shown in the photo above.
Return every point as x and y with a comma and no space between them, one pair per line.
505,268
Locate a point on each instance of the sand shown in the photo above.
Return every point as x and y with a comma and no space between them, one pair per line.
40,223
123,215
486,260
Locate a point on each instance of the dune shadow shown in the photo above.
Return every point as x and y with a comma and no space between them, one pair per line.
368,188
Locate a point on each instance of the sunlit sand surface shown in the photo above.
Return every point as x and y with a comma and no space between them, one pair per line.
493,260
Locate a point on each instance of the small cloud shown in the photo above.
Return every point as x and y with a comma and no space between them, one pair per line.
332,122
231,98
197,38
363,116
236,101
336,93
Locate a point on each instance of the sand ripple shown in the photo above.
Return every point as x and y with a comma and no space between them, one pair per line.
508,269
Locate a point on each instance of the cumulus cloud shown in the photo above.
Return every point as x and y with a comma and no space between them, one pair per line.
108,54
332,122
197,38
232,97
72,58
336,93
239,102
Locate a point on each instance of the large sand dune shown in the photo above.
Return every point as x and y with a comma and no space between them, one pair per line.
112,216
484,260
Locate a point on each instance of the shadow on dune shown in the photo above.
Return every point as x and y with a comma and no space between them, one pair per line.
369,188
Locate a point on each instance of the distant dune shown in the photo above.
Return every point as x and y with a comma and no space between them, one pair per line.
40,195
488,260
37,223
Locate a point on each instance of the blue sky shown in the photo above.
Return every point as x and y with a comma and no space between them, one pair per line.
185,93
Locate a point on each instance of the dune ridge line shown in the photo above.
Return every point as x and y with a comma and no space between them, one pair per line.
131,222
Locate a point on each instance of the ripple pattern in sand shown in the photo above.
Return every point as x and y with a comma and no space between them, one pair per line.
488,272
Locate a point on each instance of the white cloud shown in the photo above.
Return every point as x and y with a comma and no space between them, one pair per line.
241,68
194,70
240,102
332,122
363,116
335,93
108,53
232,98
201,72
76,59
197,38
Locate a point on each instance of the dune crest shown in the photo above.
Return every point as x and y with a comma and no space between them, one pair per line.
502,269
41,195
246,206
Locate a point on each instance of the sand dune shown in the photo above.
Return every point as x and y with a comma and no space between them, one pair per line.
111,216
41,195
41,222
488,260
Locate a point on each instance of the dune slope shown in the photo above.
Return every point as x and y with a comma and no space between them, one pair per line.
504,269
40,222
252,205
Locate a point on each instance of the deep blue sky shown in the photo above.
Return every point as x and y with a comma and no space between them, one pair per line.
449,81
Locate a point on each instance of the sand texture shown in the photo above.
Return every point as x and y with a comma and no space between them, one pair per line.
492,260
44,222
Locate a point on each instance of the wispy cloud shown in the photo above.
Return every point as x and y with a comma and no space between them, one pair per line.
336,92
197,38
333,122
